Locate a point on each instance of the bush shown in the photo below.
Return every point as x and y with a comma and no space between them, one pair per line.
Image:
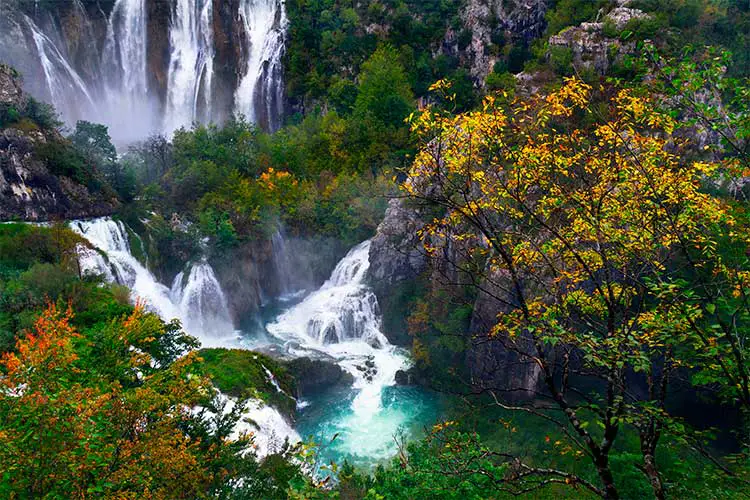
43,114
8,115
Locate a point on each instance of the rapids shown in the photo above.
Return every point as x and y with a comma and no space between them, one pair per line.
340,322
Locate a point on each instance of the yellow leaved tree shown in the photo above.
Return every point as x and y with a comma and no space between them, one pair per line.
575,212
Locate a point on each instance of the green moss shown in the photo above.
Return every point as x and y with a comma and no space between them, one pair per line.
241,373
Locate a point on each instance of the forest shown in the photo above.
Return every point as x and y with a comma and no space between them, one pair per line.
491,250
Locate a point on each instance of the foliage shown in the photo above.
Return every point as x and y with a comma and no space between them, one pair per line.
329,41
384,92
577,231
93,142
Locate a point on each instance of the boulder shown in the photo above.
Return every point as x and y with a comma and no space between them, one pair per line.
314,376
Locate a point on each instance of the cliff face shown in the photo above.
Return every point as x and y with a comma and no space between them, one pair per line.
520,21
591,47
29,190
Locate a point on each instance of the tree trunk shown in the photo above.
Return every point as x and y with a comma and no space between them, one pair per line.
652,472
605,474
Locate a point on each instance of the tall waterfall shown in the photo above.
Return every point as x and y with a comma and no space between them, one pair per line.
128,103
104,67
191,64
259,95
342,319
198,301
67,89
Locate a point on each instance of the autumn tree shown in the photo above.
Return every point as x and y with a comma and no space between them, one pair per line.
111,413
580,221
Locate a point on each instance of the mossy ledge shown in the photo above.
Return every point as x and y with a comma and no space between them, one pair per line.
240,373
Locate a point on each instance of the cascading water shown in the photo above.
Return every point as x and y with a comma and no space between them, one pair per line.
66,88
97,66
282,263
198,302
190,75
201,301
129,109
342,321
259,95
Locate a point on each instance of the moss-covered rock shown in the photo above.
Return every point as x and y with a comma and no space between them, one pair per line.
242,373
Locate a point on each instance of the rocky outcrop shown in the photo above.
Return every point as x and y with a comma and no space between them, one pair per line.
314,376
589,44
28,189
494,361
258,272
396,254
520,21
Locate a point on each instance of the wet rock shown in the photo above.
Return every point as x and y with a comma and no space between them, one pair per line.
316,375
403,377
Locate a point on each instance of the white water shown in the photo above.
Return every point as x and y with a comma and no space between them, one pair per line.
67,89
198,302
190,73
259,95
109,83
201,302
342,320
129,110
268,427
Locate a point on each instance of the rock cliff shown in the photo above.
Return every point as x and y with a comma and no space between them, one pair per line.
519,21
29,189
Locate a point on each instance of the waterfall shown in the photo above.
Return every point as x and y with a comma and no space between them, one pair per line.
198,302
269,428
190,71
260,93
201,300
342,319
107,76
343,309
282,263
66,88
124,60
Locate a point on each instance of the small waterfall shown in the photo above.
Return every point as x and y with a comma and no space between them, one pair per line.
282,263
198,302
190,73
269,428
260,94
201,300
344,309
342,320
66,88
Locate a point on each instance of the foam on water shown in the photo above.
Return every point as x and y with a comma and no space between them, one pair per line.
342,320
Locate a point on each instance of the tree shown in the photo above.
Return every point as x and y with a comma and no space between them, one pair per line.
93,140
577,225
384,91
73,424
